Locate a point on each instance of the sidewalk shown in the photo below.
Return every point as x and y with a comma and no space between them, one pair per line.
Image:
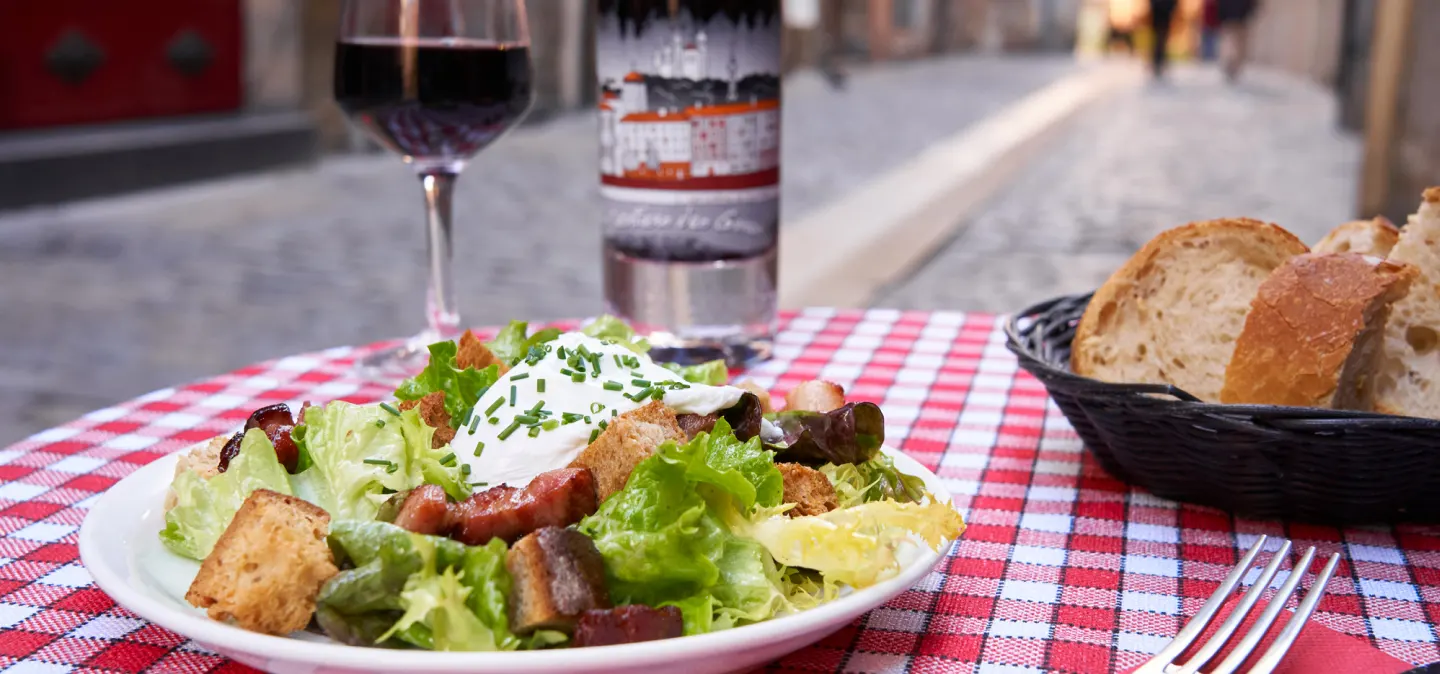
1150,159
109,299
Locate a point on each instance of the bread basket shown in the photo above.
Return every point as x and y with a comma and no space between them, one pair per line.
1311,465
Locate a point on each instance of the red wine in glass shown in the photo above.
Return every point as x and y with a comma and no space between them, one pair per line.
433,101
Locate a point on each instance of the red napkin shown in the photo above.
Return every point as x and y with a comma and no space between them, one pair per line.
1317,649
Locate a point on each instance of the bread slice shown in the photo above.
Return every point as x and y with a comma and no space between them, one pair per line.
628,439
1314,332
808,489
1172,313
1375,236
1408,381
267,568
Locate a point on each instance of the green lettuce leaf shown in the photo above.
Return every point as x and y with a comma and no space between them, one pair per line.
713,373
462,387
616,330
204,508
874,480
407,588
665,540
357,452
512,344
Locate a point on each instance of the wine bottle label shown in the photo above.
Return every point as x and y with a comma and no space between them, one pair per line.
689,127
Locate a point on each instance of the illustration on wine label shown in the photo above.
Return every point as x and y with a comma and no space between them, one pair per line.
689,127
689,171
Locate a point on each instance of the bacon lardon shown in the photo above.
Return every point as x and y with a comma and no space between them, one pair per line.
555,498
627,625
426,510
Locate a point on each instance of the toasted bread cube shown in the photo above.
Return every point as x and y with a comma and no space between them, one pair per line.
268,566
762,394
557,574
629,439
815,396
808,489
203,460
471,352
433,413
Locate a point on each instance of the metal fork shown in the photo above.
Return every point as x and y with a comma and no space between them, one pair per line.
1163,661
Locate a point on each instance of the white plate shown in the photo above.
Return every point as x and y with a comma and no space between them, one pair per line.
120,547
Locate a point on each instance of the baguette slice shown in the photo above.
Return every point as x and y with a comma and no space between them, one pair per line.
1375,236
1315,331
1408,381
1172,313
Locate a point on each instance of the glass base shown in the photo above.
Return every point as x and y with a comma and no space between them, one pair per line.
397,363
668,348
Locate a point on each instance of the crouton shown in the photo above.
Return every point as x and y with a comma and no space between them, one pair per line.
815,396
472,352
556,575
203,460
432,412
629,439
808,489
268,566
760,393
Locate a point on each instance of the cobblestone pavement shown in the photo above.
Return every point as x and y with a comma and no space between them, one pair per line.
1146,160
105,300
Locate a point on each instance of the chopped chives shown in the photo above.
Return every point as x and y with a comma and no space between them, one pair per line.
392,468
534,431
448,459
614,412
604,424
616,356
561,352
494,406
587,419
508,430
571,416
577,377
596,408
479,484
379,423
567,372
539,385
527,418
390,408
640,382
518,377
537,407
512,395
465,469
479,447
550,424
494,421
614,386
594,434
584,352
466,419
377,462
474,423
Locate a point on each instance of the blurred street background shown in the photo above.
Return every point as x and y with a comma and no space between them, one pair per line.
186,199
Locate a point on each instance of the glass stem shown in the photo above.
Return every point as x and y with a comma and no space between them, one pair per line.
440,309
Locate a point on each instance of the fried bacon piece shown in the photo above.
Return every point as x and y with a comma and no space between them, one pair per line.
276,422
557,574
627,625
555,498
432,412
426,510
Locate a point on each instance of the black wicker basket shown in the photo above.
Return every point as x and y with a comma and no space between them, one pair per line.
1313,465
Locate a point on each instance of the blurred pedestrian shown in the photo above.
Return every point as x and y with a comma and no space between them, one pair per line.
1210,30
1124,14
1162,15
1234,17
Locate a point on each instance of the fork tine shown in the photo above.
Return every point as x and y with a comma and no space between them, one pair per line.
1277,650
1262,624
1187,634
1237,616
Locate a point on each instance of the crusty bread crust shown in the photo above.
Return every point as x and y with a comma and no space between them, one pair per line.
1190,349
1375,236
1304,342
628,439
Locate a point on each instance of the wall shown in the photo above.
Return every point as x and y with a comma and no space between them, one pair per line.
1301,37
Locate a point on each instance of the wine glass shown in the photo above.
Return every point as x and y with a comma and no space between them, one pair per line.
435,81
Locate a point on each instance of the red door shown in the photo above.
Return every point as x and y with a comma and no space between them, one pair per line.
89,61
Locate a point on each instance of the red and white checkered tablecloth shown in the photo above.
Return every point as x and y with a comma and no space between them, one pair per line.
1062,569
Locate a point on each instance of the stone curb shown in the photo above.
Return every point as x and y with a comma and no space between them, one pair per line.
843,254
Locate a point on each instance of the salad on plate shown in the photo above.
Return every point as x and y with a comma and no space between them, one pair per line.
546,490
